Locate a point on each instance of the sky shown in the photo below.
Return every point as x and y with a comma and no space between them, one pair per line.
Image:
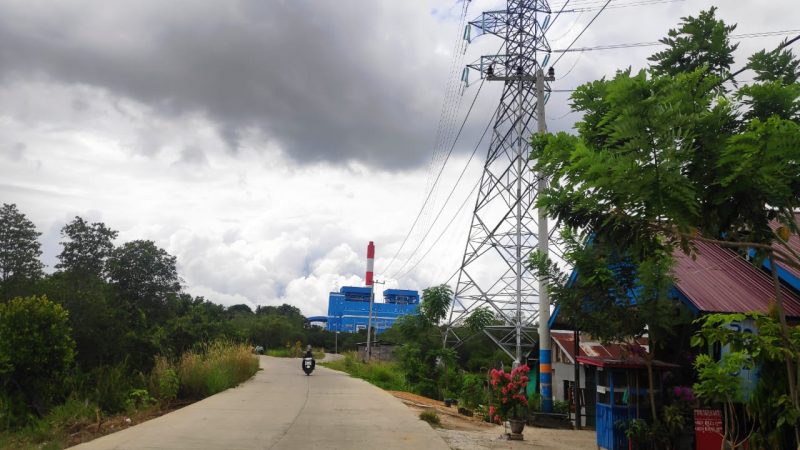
265,142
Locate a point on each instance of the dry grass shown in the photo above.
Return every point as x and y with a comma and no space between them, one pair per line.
214,368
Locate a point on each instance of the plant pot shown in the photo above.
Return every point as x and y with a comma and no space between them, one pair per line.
517,425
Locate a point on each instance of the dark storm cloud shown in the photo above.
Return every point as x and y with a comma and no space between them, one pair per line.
327,81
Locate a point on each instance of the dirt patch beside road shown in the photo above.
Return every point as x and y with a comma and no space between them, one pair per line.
472,433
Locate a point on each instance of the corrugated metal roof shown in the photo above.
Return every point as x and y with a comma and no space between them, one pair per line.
720,280
589,347
794,244
631,362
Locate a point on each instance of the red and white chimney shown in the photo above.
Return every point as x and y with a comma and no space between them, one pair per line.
370,262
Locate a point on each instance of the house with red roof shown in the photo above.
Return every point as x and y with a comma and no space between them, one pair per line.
713,279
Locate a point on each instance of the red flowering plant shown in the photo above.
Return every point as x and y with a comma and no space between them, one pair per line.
508,398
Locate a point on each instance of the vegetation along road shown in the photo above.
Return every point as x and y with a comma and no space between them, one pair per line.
282,408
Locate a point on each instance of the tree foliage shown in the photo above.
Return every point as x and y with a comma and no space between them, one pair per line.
19,246
436,303
36,349
701,42
663,157
144,276
86,247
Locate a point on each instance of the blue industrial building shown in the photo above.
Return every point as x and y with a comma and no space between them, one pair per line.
348,309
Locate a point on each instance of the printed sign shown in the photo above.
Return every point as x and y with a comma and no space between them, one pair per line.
708,429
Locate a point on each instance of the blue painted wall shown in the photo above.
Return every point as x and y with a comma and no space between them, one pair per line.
348,309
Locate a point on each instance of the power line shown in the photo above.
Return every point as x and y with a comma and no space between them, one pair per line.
449,196
582,31
450,105
438,238
427,198
657,43
628,5
780,47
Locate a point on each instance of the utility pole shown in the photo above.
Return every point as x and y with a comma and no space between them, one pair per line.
369,327
371,286
545,367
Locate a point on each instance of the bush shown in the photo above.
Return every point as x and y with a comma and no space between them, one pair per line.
163,383
36,349
431,417
473,392
560,407
112,386
139,399
214,368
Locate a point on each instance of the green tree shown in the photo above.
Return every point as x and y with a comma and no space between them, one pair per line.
769,408
98,325
701,42
19,250
479,319
86,247
436,302
429,368
145,277
36,349
662,159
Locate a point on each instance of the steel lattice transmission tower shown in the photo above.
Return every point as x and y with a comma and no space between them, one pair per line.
505,225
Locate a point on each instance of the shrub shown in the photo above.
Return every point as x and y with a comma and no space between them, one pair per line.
112,384
560,407
163,382
472,391
36,349
431,417
138,399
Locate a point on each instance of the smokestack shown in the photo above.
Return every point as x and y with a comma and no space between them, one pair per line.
370,262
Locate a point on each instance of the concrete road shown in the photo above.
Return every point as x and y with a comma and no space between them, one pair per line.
282,408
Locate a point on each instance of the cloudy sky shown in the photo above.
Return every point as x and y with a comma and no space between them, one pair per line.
265,142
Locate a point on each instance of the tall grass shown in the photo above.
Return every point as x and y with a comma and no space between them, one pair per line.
214,368
384,374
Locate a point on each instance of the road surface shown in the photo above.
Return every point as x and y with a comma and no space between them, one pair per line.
282,408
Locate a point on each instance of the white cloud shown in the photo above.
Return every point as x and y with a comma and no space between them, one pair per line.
151,156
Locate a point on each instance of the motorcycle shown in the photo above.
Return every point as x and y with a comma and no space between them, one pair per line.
308,364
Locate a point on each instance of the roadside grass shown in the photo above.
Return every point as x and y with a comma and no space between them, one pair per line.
214,368
431,417
210,369
51,432
294,351
384,374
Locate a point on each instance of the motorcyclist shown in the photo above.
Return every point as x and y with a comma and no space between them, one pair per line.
308,355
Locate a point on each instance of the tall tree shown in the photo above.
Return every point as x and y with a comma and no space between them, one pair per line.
436,302
145,277
662,158
19,249
699,42
86,247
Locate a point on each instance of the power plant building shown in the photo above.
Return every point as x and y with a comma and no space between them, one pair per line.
348,309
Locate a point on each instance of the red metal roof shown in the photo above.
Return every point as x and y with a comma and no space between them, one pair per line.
631,362
590,348
720,280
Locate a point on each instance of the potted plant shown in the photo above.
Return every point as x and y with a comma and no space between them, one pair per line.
508,400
